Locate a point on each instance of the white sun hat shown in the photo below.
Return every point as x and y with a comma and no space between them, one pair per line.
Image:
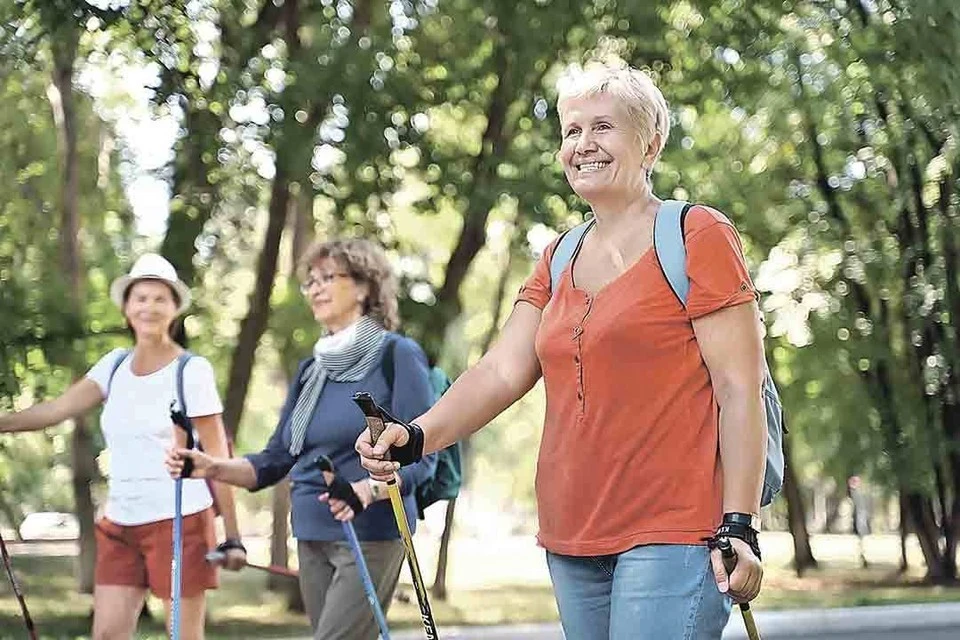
151,266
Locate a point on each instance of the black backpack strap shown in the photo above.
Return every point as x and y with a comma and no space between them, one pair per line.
116,365
386,362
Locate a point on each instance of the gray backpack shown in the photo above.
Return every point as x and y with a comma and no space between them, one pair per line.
672,256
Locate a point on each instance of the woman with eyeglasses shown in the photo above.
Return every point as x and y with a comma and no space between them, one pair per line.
353,295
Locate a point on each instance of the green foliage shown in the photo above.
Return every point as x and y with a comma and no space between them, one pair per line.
825,130
40,338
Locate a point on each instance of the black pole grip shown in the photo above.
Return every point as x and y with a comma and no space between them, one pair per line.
730,563
728,554
372,413
339,488
377,417
183,421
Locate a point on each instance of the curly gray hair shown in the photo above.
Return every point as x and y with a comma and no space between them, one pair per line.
367,264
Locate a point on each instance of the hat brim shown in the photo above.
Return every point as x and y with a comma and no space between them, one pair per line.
118,288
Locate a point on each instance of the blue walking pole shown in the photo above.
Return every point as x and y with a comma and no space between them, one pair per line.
341,489
367,580
176,566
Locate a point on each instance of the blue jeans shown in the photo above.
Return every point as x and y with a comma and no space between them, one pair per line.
660,592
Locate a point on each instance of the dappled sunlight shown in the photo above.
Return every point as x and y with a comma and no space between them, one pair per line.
229,135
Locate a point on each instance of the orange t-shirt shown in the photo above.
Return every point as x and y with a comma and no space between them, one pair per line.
630,447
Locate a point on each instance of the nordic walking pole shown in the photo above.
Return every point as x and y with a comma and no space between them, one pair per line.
27,620
341,489
730,563
376,422
219,558
180,419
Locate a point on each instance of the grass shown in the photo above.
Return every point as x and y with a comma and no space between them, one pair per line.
490,583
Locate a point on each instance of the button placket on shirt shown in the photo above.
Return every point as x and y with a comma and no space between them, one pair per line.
578,357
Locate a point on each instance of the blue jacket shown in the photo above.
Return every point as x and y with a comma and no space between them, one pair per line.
334,427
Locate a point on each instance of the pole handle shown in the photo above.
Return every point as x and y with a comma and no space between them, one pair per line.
372,415
728,554
182,420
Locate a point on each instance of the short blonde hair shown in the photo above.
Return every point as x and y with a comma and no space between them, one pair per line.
367,264
634,88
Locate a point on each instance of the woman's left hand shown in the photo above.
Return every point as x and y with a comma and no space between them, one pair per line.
340,509
743,584
235,559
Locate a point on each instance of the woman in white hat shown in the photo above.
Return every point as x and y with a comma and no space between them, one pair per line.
134,537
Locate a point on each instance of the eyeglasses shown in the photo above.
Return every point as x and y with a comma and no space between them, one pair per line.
323,279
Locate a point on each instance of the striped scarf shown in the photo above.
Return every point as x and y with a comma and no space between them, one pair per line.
344,356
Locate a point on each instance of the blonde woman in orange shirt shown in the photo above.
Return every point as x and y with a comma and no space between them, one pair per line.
658,403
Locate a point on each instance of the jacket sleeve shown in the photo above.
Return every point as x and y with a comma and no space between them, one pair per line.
275,461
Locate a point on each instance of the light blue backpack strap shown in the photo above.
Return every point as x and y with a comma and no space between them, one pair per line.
182,361
116,365
668,243
567,246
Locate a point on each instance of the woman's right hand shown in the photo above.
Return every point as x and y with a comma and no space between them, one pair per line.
203,465
374,457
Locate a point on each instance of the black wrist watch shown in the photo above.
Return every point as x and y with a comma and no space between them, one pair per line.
231,543
751,520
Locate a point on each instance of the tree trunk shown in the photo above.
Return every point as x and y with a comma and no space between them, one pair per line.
298,230
439,588
924,524
194,197
796,515
480,198
84,475
440,579
833,512
301,227
13,514
64,46
279,533
904,532
878,378
255,322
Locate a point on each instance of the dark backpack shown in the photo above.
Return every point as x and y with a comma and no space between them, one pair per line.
446,480
672,256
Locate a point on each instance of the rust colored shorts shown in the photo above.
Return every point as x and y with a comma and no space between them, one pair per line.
141,555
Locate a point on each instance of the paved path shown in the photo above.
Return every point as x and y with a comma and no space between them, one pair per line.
907,622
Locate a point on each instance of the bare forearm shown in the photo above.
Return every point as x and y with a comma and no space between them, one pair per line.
476,398
236,471
214,437
36,417
82,396
743,449
228,509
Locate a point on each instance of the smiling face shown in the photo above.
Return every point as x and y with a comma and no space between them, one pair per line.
150,307
334,296
601,151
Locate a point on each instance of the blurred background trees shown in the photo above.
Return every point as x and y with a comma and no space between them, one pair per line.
228,134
